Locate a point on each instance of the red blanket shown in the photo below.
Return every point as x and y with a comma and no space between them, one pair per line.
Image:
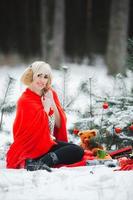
31,130
88,155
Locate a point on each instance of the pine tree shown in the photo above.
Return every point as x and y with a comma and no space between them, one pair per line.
6,105
112,116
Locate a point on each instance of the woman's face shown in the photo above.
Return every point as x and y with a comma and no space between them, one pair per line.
40,81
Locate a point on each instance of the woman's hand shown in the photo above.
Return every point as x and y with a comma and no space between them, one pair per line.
48,101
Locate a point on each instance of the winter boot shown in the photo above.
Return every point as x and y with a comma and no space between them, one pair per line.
33,165
50,159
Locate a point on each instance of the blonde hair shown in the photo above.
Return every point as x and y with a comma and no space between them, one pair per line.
35,68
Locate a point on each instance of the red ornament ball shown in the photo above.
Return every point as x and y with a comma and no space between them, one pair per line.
118,129
75,131
105,105
131,127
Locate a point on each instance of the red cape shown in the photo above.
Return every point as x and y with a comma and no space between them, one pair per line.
31,130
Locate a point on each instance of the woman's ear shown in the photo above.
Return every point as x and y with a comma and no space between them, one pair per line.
27,77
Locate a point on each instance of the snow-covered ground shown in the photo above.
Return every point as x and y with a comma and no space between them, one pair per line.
93,183
90,182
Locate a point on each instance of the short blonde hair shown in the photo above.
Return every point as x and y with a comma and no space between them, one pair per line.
35,68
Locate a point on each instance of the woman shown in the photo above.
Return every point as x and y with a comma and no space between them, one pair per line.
37,144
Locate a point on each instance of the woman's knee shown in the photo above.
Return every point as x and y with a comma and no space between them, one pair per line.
70,154
79,151
76,152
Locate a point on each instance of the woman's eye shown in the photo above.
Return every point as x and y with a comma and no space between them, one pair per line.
46,76
41,76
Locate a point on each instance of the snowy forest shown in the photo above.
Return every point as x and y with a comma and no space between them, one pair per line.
60,31
89,46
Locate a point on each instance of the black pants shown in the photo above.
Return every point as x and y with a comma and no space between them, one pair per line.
67,153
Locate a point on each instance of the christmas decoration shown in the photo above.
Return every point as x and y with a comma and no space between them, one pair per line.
131,127
105,105
118,129
75,131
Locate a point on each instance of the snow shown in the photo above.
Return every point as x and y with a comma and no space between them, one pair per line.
78,183
90,182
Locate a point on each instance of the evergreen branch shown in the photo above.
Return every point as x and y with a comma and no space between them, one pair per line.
72,100
11,80
8,108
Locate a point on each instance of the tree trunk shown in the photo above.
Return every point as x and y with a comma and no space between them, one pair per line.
89,35
57,50
44,29
27,30
117,40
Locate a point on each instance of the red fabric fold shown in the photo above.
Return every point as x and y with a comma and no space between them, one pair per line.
31,131
125,164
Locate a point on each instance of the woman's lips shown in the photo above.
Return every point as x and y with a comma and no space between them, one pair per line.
40,84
